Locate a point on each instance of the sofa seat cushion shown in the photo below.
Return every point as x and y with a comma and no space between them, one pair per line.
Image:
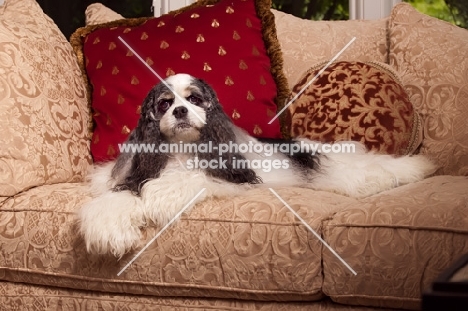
251,247
247,247
398,242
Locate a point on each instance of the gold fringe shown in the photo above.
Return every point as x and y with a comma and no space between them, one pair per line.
276,59
269,37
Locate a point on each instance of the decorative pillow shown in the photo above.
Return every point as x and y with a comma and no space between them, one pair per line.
43,108
355,101
431,57
229,43
305,42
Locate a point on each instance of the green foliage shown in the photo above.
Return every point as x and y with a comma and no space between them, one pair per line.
314,9
459,9
453,11
69,14
435,8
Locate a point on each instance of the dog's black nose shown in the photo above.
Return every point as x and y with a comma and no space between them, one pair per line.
180,112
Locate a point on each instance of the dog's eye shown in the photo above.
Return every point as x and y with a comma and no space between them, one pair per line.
194,100
164,105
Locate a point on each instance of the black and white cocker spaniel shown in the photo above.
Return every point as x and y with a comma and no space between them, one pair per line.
192,144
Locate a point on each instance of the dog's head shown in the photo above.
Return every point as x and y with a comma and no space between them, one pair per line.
179,109
180,105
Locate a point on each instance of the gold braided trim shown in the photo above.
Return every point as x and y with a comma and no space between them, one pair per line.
276,59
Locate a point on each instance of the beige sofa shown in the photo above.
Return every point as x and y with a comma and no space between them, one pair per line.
232,254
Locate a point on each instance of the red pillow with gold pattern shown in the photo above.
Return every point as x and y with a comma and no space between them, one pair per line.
355,101
231,44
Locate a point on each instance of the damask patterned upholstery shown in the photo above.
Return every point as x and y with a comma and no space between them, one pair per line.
354,101
305,43
251,247
404,238
97,13
43,107
248,247
17,295
431,57
240,253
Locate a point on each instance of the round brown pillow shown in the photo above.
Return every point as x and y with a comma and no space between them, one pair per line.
355,101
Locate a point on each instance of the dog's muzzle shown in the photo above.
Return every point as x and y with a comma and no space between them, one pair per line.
180,112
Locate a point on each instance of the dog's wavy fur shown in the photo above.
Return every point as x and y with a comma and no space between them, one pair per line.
139,188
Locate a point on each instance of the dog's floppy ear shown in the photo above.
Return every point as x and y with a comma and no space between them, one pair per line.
135,168
219,130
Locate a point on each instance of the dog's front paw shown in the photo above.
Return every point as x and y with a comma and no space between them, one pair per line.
163,200
111,223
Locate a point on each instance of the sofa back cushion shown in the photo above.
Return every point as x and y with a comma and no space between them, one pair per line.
432,59
43,107
305,43
97,13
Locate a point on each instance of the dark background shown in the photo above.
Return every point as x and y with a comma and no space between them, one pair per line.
70,14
